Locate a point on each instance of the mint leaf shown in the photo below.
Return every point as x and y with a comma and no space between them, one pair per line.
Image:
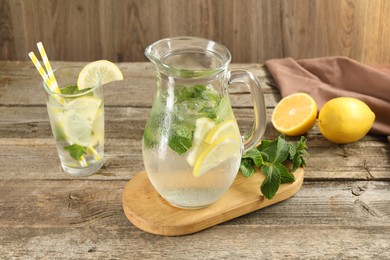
255,155
297,153
272,180
285,175
76,151
180,144
181,137
246,167
72,90
282,150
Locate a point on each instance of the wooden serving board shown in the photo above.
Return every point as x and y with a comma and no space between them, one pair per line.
147,210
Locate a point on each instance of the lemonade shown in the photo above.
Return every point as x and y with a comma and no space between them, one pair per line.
78,127
202,141
77,123
191,145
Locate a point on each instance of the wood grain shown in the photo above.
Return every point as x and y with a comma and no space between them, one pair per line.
25,130
254,31
147,210
341,211
84,219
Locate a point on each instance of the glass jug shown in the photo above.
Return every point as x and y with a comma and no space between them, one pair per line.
192,145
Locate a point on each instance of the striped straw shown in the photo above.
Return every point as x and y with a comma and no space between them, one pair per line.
45,77
46,62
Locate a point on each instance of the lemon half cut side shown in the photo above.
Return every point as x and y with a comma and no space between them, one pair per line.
295,114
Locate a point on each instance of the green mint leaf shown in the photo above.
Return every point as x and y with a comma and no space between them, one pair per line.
276,150
246,167
268,147
179,144
297,153
198,90
76,151
72,90
208,112
272,180
255,155
285,175
282,150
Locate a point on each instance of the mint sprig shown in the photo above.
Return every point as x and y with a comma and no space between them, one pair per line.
271,157
191,102
76,151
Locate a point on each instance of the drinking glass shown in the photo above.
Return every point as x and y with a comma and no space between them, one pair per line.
77,122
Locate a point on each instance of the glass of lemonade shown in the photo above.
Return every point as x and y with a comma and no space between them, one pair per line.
77,122
192,145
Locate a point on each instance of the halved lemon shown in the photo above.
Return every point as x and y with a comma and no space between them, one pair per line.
295,114
214,154
98,72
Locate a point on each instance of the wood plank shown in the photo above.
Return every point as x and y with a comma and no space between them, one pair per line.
85,219
20,84
25,134
253,30
79,202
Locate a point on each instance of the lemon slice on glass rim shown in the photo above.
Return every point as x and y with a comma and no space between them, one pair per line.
98,72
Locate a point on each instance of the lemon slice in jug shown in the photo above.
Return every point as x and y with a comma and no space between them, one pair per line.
220,150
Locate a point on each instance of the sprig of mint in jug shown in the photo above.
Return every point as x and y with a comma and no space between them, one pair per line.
273,157
191,102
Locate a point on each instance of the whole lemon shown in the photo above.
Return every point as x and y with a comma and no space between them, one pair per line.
345,120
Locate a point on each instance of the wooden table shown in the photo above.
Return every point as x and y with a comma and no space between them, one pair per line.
341,211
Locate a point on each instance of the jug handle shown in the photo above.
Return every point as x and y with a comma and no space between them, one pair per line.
251,139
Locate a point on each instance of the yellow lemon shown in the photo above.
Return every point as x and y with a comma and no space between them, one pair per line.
345,120
98,72
295,114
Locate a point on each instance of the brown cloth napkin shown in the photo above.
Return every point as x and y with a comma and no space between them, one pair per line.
330,77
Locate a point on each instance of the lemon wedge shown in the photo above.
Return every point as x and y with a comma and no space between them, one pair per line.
220,150
98,72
